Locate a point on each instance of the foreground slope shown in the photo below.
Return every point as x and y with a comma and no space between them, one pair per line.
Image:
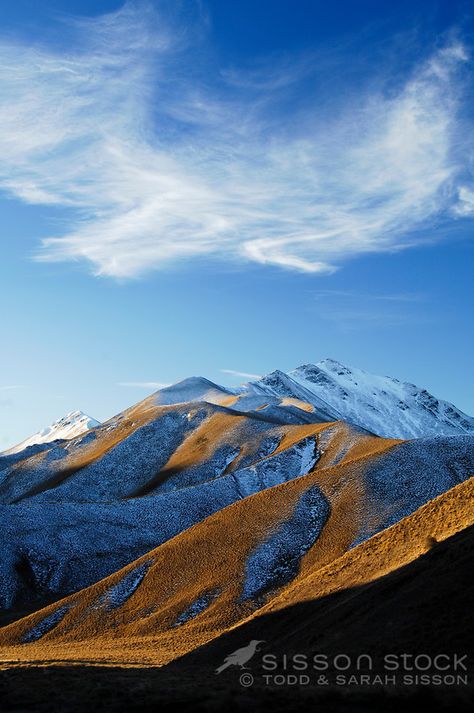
380,605
417,610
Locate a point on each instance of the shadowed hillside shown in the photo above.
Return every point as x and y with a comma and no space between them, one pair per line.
398,610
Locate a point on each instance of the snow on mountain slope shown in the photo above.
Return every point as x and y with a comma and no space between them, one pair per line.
279,384
195,388
70,426
67,544
380,404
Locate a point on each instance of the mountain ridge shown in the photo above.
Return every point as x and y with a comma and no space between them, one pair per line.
382,405
327,391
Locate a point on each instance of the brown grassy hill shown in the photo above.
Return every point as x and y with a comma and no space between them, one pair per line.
189,590
406,590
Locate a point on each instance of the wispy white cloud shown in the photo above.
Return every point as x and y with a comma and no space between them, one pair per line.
241,374
13,387
465,205
144,384
160,164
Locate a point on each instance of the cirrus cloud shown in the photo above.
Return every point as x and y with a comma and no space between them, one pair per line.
156,385
241,374
159,164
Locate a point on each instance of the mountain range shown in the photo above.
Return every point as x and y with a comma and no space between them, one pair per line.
331,391
203,513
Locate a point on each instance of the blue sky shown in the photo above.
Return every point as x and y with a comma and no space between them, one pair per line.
215,187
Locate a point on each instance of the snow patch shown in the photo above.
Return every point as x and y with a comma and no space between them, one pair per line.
197,607
45,625
276,561
123,590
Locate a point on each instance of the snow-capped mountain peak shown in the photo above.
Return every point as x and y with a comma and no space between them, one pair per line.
382,404
67,427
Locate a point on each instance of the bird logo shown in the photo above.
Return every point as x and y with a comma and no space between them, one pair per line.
240,657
